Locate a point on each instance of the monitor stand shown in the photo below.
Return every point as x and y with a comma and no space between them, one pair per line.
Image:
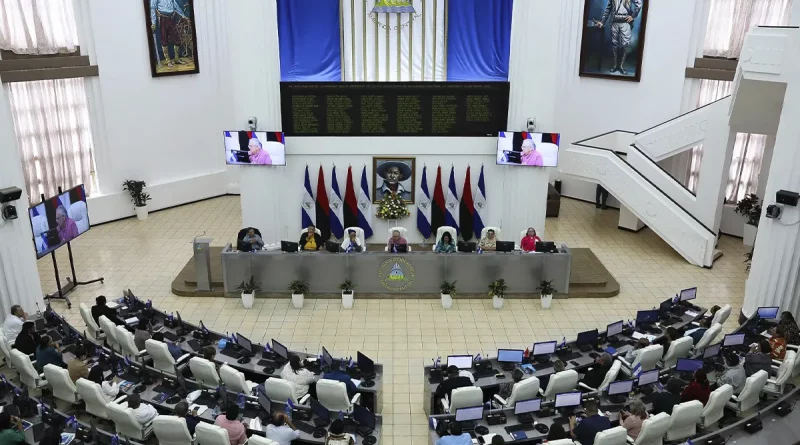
509,366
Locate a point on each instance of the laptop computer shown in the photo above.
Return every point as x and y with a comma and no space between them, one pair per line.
466,246
332,246
289,246
505,246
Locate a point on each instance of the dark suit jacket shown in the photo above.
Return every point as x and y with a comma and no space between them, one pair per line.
25,343
447,386
663,402
97,311
596,376
304,239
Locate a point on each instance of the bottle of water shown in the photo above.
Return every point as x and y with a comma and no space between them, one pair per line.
240,400
215,412
288,410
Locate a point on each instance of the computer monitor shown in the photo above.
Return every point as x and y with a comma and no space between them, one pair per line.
648,377
647,317
517,148
460,361
567,399
70,207
280,349
712,351
614,328
332,246
544,348
504,246
264,401
327,358
527,406
471,413
364,417
510,355
246,344
621,387
365,364
733,340
180,320
588,337
665,305
222,393
179,378
768,313
320,411
289,246
688,294
688,365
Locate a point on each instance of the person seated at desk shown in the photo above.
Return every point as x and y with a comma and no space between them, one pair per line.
253,239
310,239
13,324
758,358
557,432
351,243
498,440
77,367
281,429
663,402
395,240
337,436
558,366
295,372
174,350
47,353
594,423
144,412
489,243
456,437
698,389
446,244
631,355
182,411
790,329
632,420
100,308
734,374
108,388
337,374
505,388
237,433
602,364
142,334
11,431
28,339
528,242
698,332
453,381
670,335
778,343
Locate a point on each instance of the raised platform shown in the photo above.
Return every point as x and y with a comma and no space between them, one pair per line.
588,279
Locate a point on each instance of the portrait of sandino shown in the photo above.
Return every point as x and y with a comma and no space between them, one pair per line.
393,175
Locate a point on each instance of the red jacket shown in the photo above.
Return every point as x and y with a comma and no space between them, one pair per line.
695,391
528,243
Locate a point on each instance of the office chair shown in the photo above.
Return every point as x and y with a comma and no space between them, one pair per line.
27,373
680,348
234,380
561,442
610,377
172,430
208,434
80,214
648,358
281,390
92,394
441,231
750,394
614,436
359,235
714,409
240,245
564,381
63,388
403,233
125,421
783,372
683,421
498,232
796,368
204,372
128,346
722,315
95,334
110,329
162,359
653,430
258,440
522,390
332,394
5,348
462,398
708,338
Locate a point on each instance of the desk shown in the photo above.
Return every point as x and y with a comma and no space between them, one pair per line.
422,272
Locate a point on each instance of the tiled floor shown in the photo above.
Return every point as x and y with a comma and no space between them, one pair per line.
401,334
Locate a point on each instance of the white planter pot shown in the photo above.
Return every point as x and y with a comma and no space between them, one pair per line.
749,238
447,301
546,301
297,300
141,212
347,300
497,302
248,299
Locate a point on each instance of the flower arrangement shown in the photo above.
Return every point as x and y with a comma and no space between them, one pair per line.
392,207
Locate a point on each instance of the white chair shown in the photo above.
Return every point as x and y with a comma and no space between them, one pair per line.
77,212
714,409
441,231
708,338
614,436
172,430
96,335
523,390
27,373
648,358
497,232
125,421
128,346
561,442
63,388
208,434
234,380
610,377
683,421
279,391
403,232
359,235
653,430
749,396
5,348
795,369
464,397
564,381
332,394
162,359
722,315
258,440
92,394
680,348
204,372
110,329
783,372
39,225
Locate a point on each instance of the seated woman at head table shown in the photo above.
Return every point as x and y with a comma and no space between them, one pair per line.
310,239
446,244
528,242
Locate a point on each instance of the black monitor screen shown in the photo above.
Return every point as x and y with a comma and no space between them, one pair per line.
646,317
365,364
666,305
688,365
222,393
327,359
58,220
688,294
179,377
363,416
587,337
319,410
712,351
280,349
264,401
246,344
614,328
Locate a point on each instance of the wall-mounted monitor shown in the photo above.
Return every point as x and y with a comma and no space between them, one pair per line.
254,148
58,220
528,149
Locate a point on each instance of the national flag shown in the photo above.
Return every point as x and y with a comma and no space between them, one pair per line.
479,215
290,403
336,217
477,357
437,209
563,343
527,352
308,214
451,203
323,208
424,206
364,206
350,202
466,209
637,370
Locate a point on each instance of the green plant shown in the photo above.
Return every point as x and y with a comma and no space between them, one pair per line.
748,258
347,286
750,207
249,286
136,189
546,288
448,288
392,206
298,287
498,288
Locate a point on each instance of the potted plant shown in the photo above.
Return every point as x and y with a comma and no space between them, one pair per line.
347,294
138,196
546,290
497,289
750,208
299,289
248,289
448,291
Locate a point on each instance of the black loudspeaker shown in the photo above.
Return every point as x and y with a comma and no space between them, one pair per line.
786,197
783,409
753,426
496,419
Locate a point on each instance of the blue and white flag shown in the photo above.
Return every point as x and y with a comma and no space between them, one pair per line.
479,200
424,206
350,363
267,348
364,206
335,202
308,207
290,403
563,342
637,370
451,203
477,357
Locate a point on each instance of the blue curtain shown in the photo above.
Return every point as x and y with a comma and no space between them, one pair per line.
478,40
309,40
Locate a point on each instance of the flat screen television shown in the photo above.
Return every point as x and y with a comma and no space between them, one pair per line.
528,149
59,219
254,148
